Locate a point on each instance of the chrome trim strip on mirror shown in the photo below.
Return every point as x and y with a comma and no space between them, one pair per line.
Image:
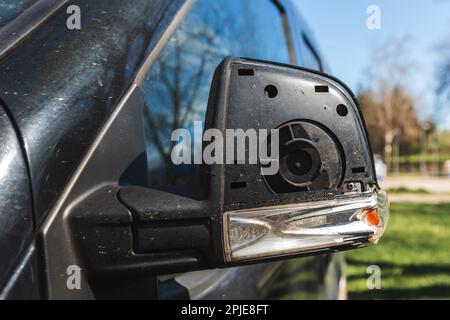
305,227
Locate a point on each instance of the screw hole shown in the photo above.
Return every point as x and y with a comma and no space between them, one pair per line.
271,91
342,110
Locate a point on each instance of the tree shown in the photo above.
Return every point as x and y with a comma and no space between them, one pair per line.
404,127
388,108
374,120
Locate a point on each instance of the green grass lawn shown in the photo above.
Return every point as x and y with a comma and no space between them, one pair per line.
403,190
414,256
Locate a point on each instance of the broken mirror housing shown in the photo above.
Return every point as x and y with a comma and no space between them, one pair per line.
325,196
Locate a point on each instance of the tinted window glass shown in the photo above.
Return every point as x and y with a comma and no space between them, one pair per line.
9,9
177,86
311,58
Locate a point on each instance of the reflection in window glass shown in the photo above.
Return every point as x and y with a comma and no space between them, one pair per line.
311,58
10,9
177,86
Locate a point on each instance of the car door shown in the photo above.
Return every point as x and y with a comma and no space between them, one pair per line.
59,88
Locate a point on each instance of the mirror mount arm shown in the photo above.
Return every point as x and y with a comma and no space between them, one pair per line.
164,221
134,231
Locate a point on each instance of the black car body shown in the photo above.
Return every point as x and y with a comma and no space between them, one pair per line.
59,88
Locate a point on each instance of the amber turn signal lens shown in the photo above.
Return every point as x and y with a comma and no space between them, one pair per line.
373,218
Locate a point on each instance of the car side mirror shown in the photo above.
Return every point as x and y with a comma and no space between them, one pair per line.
296,178
287,164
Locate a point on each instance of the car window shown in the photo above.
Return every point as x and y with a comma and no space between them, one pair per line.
177,86
10,9
311,58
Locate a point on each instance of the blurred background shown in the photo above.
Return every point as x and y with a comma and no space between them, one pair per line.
400,71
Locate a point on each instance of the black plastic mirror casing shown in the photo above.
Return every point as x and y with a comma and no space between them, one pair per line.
238,100
306,105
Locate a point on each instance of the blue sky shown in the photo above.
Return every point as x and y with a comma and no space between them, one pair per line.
340,29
